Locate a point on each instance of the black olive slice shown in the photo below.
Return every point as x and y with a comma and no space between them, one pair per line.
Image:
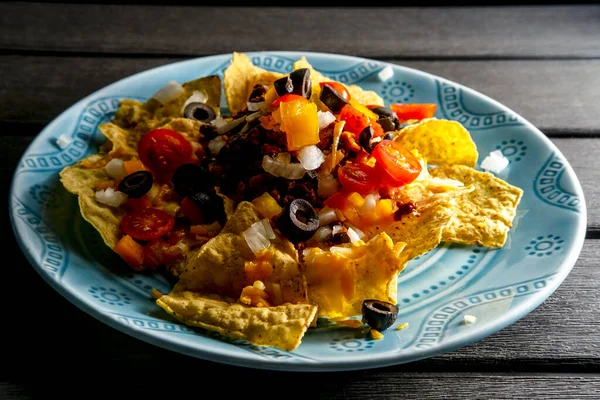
379,314
283,86
301,82
384,112
388,136
299,221
332,99
364,138
340,238
199,112
137,184
387,124
211,205
189,179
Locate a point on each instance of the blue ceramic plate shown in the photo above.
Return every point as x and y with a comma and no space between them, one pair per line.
435,291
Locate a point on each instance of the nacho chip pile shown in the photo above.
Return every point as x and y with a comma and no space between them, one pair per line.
270,291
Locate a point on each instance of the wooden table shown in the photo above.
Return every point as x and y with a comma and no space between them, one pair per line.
541,61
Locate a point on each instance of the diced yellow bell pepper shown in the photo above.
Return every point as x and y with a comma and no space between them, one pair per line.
300,122
356,199
267,206
384,208
270,96
363,109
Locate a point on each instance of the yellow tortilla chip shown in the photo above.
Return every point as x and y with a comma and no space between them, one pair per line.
281,326
219,266
483,216
366,97
240,77
441,142
340,279
210,86
422,231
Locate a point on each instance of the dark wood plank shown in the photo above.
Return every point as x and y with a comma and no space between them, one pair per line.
372,32
372,385
37,89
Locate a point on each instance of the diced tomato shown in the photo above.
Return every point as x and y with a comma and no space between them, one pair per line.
338,87
133,165
357,177
397,165
130,251
154,253
163,150
190,210
289,97
138,204
408,111
147,224
355,120
337,200
377,129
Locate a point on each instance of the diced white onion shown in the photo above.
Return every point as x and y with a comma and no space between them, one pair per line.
256,237
470,319
360,233
218,122
327,184
385,74
495,162
255,106
196,97
326,216
259,285
63,141
170,91
284,157
111,197
253,116
325,118
230,125
371,201
215,145
353,235
311,157
337,229
268,228
323,233
115,168
277,168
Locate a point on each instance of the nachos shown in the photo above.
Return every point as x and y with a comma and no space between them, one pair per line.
305,201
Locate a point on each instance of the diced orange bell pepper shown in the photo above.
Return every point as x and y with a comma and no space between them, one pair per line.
133,165
300,122
130,251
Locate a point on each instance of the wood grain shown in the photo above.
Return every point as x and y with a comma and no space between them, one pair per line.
413,32
37,89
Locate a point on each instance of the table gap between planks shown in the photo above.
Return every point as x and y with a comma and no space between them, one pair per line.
543,62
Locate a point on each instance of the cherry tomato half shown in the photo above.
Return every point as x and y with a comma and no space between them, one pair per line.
163,150
289,97
147,223
338,87
358,177
396,163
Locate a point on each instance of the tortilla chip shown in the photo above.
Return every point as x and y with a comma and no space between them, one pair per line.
339,281
281,326
422,231
483,216
441,142
210,86
366,97
240,77
219,266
